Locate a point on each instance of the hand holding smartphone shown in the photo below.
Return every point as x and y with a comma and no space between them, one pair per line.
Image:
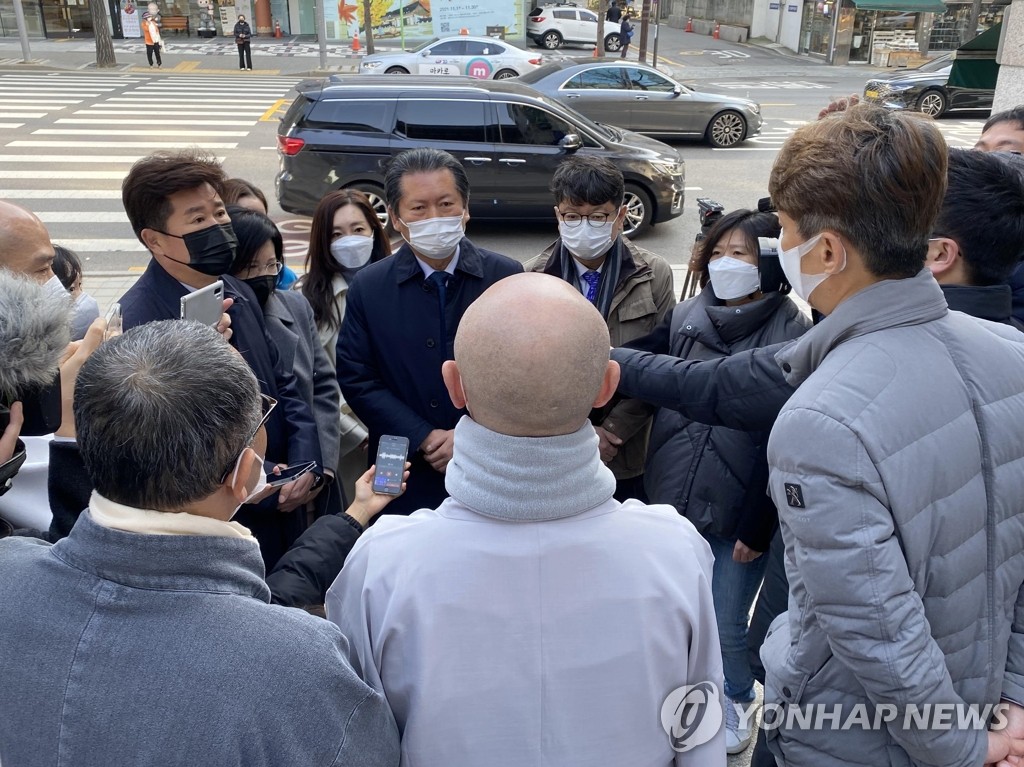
205,305
289,474
391,455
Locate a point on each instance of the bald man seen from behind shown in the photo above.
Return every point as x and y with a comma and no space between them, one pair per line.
532,619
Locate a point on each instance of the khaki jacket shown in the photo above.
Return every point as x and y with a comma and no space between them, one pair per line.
643,298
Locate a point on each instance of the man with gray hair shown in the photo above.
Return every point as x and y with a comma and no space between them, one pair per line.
402,314
146,636
532,619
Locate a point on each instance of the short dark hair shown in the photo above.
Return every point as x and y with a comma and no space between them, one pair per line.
1015,115
148,186
983,211
322,267
66,265
161,412
874,176
751,223
422,160
253,230
236,188
587,180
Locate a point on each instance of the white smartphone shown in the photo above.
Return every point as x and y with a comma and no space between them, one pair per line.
205,305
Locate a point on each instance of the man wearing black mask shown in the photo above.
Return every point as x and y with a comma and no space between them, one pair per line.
173,203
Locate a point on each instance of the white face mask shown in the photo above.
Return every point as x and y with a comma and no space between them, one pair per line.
436,238
55,287
586,241
803,284
732,278
352,251
261,483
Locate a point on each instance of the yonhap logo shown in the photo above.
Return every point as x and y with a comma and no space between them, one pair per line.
691,715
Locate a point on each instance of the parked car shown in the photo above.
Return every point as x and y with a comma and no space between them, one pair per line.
481,57
642,99
549,26
926,90
341,133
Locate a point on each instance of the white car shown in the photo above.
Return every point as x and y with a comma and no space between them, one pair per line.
551,25
482,57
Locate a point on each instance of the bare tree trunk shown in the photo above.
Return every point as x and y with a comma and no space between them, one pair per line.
972,23
602,9
101,29
368,26
645,22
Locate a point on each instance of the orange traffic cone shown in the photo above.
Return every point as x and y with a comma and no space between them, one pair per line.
596,54
718,28
689,25
355,43
277,29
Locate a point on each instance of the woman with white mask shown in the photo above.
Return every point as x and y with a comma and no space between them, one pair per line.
714,476
346,236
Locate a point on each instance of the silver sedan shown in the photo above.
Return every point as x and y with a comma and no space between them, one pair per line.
642,99
482,57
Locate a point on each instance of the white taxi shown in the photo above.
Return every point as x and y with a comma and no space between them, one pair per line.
485,58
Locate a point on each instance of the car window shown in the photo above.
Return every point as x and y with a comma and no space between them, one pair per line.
366,116
605,78
525,124
570,15
437,120
642,80
474,48
936,65
588,16
449,48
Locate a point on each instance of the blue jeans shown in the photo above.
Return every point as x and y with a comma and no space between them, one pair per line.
733,587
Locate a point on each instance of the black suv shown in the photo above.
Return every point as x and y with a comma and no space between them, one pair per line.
341,133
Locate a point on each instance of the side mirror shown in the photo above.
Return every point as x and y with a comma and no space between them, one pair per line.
425,54
678,90
571,142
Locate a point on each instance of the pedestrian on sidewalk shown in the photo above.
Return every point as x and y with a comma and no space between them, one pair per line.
625,35
614,13
243,34
151,33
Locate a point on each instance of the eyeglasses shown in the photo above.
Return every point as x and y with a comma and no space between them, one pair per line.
267,405
270,269
593,219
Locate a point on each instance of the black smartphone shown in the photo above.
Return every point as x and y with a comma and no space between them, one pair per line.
390,467
41,407
289,474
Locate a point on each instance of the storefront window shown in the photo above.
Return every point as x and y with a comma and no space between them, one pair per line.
817,27
9,25
950,30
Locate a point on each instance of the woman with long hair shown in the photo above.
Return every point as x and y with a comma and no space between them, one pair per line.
346,236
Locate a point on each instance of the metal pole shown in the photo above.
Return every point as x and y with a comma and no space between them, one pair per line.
831,58
972,29
19,17
657,21
321,32
401,21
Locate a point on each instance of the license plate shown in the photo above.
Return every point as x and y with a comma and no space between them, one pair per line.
871,94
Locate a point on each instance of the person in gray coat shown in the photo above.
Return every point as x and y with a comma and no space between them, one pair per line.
289,317
896,470
146,635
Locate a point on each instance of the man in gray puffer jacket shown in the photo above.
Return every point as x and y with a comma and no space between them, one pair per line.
897,470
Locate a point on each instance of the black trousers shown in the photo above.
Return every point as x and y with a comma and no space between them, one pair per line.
244,56
153,50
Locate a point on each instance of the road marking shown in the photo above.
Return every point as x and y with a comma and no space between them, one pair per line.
63,158
62,194
103,246
191,102
80,174
92,132
10,126
254,116
100,121
24,115
43,103
81,217
268,116
151,145
765,104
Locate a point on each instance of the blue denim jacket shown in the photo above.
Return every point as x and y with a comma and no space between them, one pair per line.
125,649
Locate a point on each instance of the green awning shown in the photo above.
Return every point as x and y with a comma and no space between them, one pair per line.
974,63
912,6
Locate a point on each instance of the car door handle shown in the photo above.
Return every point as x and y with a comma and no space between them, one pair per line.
511,161
477,160
640,98
572,95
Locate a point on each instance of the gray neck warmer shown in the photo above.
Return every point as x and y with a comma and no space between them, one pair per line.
527,479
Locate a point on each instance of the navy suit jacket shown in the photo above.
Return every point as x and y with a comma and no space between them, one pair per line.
291,431
389,354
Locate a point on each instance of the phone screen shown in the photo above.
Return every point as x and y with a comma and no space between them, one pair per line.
391,454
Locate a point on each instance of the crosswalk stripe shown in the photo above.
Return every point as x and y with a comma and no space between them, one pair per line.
108,246
61,194
24,115
64,159
99,121
179,100
151,145
81,174
81,217
40,103
10,126
94,110
92,132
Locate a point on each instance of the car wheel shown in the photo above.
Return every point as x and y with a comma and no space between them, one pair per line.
396,71
375,195
932,103
639,211
551,40
505,74
727,129
613,43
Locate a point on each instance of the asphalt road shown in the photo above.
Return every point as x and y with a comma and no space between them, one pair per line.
69,136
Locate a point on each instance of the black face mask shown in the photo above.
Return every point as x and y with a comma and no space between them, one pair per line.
211,250
263,286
